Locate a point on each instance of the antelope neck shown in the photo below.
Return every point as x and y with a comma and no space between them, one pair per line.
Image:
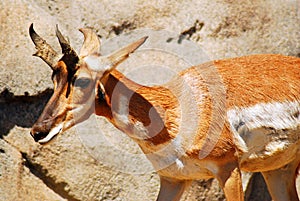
146,114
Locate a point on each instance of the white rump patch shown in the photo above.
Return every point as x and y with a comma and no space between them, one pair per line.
265,128
275,115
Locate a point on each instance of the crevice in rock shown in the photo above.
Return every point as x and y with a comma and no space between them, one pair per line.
188,33
20,111
42,173
118,29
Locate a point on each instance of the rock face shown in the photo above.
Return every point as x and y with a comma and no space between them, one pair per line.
69,168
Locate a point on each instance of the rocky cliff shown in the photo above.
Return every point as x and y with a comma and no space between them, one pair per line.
69,168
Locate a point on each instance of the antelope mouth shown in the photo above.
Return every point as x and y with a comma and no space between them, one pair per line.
55,131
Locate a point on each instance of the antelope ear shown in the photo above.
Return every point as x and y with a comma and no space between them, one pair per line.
105,64
120,55
91,44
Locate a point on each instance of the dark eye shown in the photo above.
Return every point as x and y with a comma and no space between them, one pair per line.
82,82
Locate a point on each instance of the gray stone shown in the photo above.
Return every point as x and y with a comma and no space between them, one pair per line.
18,180
67,169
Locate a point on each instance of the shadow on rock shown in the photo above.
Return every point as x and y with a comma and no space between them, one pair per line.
20,111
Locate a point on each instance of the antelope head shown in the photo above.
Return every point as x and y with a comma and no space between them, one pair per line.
76,78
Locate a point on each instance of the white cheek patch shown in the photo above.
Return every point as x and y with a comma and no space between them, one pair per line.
56,130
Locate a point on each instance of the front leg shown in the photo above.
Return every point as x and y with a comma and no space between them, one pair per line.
172,189
231,182
233,188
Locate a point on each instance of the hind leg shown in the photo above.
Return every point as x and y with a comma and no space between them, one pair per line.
281,182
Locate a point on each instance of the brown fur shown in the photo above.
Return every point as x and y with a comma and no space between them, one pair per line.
247,81
142,100
244,80
189,113
260,79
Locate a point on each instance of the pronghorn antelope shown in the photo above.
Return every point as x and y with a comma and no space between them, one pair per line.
210,121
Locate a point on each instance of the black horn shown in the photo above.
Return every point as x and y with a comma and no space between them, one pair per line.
44,50
70,56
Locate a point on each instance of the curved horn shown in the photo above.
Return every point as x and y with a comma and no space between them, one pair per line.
70,56
91,43
44,50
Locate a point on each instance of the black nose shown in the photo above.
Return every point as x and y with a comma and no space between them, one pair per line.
38,135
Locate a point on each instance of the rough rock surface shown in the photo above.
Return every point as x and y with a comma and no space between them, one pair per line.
67,169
